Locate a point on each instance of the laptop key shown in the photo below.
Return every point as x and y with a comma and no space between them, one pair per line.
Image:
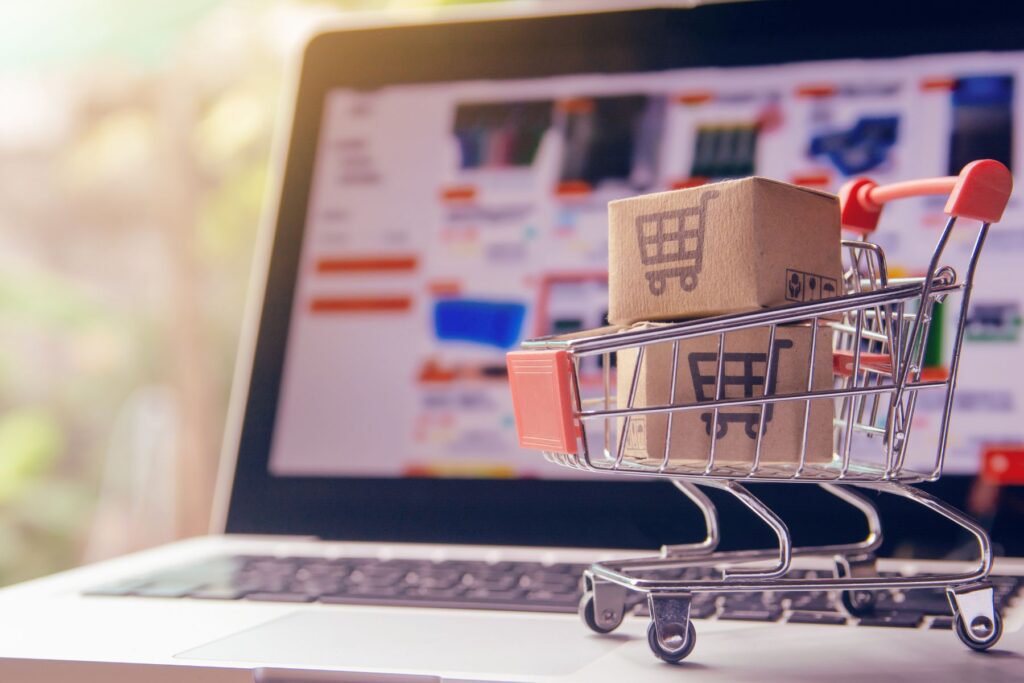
280,597
119,589
166,589
503,584
771,613
364,590
221,593
925,601
893,619
484,595
818,601
554,598
817,618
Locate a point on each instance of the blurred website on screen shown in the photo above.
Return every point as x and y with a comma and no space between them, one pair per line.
447,222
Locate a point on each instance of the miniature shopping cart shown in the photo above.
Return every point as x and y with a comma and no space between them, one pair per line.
879,329
673,241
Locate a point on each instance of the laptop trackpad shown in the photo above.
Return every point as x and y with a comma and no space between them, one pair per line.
406,641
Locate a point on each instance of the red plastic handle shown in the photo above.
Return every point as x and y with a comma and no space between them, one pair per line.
980,192
542,399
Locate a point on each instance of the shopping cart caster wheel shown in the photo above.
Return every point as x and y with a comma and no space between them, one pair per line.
858,603
677,648
983,633
589,616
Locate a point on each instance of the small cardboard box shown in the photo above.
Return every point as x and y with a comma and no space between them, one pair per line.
722,248
744,373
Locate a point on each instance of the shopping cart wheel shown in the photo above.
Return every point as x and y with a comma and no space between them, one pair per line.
976,621
588,613
678,646
983,634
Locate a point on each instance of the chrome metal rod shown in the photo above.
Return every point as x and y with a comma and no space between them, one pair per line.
773,521
578,401
958,340
710,513
728,323
621,449
874,538
915,368
851,402
818,475
739,402
606,380
949,512
769,378
719,390
807,403
671,400
926,292
737,584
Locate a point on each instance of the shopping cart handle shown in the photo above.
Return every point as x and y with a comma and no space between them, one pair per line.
980,192
543,399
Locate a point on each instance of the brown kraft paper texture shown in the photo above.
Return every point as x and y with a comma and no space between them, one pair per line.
744,373
722,248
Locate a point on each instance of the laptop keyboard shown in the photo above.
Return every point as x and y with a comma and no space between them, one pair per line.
519,586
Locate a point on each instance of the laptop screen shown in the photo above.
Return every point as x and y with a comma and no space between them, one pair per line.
448,221
444,197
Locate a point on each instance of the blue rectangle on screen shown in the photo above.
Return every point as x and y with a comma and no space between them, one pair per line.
492,323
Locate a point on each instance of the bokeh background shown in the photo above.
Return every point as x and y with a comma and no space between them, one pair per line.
134,149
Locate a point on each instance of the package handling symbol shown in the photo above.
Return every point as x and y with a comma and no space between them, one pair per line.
795,286
673,237
801,286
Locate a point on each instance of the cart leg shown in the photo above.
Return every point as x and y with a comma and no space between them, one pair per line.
603,604
975,618
671,634
710,513
859,603
773,521
873,540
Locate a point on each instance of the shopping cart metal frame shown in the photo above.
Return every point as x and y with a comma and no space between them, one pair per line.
879,330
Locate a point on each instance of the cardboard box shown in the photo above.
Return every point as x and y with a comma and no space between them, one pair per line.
744,373
722,248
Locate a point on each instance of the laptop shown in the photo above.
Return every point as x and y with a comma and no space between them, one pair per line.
443,197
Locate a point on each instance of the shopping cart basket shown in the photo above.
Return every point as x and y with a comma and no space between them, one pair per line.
879,330
674,242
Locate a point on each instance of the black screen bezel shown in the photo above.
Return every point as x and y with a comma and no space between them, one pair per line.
598,513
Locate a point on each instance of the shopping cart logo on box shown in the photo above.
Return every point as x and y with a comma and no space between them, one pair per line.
748,378
673,241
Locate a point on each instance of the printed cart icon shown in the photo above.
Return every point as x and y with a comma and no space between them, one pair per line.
676,238
748,364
